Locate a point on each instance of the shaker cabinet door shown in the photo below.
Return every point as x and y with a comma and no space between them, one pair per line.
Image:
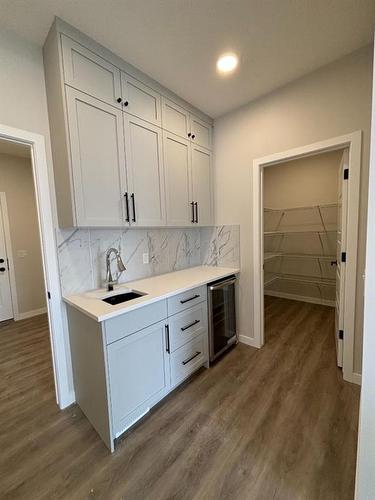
140,100
201,172
145,172
97,160
90,73
201,132
177,180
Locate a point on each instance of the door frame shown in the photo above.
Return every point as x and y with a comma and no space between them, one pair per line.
8,247
353,142
49,256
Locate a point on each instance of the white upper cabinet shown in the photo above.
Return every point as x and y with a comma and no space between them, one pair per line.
201,171
177,180
175,118
201,132
88,72
97,157
140,100
145,172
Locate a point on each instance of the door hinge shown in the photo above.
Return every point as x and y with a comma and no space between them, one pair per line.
343,256
49,295
341,334
346,174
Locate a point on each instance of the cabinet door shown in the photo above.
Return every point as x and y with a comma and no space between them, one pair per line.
201,166
88,72
144,162
175,118
140,100
138,367
201,132
177,180
97,160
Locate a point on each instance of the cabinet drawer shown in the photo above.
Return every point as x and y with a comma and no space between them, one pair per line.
187,299
88,72
128,323
187,359
187,325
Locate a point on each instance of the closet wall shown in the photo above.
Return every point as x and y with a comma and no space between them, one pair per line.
300,228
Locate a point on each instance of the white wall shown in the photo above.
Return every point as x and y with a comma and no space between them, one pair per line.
332,101
23,105
365,480
18,184
303,182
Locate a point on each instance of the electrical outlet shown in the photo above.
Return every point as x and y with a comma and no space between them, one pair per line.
146,259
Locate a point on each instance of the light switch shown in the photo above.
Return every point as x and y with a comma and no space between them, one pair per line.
146,259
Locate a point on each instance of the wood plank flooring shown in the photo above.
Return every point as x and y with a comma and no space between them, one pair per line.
275,423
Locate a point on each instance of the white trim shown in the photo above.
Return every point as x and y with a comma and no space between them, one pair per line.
36,142
353,142
356,378
244,339
30,314
8,246
301,298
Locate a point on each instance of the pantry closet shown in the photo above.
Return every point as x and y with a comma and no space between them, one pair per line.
302,231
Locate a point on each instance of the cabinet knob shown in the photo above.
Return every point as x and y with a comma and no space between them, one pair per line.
119,99
2,269
189,134
126,103
193,136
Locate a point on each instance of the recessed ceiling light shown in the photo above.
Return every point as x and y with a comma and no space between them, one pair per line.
227,63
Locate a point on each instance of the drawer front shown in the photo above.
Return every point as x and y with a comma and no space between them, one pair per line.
187,359
133,321
187,299
187,325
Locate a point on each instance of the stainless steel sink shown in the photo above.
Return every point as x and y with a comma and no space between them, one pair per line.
119,298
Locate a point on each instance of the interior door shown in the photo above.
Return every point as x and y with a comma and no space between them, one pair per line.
6,308
177,180
98,160
201,166
341,248
145,172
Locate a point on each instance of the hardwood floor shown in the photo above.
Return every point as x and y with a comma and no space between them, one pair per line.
276,423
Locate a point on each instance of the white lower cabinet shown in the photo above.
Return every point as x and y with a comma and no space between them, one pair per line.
123,366
138,367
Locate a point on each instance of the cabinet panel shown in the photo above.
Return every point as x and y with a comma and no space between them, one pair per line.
138,374
145,172
90,73
97,158
175,118
185,300
201,167
201,132
187,325
177,180
187,359
140,100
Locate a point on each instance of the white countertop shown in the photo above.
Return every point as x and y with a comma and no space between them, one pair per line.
155,288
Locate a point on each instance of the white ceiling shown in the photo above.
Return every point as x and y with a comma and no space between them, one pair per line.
177,41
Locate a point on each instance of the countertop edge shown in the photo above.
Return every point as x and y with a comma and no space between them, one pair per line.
146,301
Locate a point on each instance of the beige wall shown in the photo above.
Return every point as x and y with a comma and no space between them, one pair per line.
18,185
298,183
332,101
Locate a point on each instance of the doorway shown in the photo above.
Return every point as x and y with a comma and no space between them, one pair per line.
351,142
304,215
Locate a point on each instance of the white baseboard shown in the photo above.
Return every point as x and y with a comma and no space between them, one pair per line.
29,314
69,399
300,298
356,378
248,341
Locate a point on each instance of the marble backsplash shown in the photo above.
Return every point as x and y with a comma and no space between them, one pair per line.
81,252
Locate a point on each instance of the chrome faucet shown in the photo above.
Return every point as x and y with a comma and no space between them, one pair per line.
120,268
